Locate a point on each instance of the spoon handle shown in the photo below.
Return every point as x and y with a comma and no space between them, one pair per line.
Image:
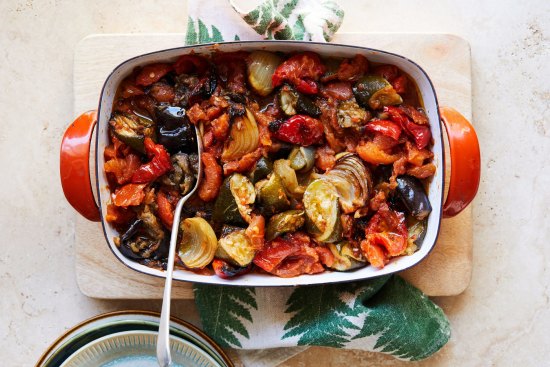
163,342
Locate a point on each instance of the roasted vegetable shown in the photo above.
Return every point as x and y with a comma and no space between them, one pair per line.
183,176
289,221
225,270
244,194
351,115
302,159
417,232
198,243
282,168
352,181
174,130
261,170
299,129
321,205
236,248
243,139
293,102
301,70
413,196
344,257
158,165
132,130
375,92
271,195
261,66
232,200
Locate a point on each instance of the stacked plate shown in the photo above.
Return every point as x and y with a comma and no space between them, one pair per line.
128,338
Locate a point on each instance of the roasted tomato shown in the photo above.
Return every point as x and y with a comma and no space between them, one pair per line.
299,129
159,164
191,64
122,168
129,195
386,236
152,73
301,70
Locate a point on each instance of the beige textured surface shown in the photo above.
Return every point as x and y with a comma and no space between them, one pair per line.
503,317
446,271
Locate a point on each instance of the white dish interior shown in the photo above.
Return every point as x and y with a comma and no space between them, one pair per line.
435,193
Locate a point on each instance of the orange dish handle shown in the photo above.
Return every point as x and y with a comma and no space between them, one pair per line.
465,161
74,165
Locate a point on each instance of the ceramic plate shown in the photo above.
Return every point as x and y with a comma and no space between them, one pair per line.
137,349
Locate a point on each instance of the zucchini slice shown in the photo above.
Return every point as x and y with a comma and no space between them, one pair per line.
236,248
322,209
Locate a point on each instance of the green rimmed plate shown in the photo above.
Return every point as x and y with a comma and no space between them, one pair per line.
137,349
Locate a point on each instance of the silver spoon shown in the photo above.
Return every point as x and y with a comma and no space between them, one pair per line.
164,356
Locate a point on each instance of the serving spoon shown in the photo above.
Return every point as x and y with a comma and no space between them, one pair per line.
164,356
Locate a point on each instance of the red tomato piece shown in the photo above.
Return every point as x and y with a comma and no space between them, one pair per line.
388,72
274,253
152,73
302,70
299,129
165,210
386,233
162,92
339,90
385,127
129,195
156,167
353,69
420,133
400,84
122,168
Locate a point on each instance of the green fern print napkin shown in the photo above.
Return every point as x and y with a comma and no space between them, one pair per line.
385,314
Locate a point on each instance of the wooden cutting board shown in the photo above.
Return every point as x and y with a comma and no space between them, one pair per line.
445,272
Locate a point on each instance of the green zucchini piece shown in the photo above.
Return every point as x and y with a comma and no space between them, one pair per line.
226,209
375,92
322,209
302,159
344,257
272,196
236,248
244,194
282,168
263,168
289,221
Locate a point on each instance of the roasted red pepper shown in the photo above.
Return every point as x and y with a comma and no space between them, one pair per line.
159,164
299,129
152,73
302,70
386,236
420,133
191,64
165,210
129,195
385,127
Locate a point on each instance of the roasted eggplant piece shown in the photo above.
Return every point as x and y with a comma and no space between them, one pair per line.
293,102
198,243
302,159
289,221
234,201
272,196
174,130
184,172
243,139
321,205
236,248
132,130
143,238
414,197
375,92
261,66
344,257
350,115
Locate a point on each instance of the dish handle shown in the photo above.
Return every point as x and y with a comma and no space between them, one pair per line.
74,166
465,161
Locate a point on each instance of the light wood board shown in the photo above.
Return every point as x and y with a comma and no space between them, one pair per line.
446,58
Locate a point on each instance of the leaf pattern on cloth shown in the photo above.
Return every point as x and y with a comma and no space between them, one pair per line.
408,325
308,20
197,33
320,312
222,311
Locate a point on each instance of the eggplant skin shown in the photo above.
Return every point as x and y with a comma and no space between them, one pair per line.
174,130
414,197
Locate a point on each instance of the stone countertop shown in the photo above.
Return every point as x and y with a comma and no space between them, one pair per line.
502,319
